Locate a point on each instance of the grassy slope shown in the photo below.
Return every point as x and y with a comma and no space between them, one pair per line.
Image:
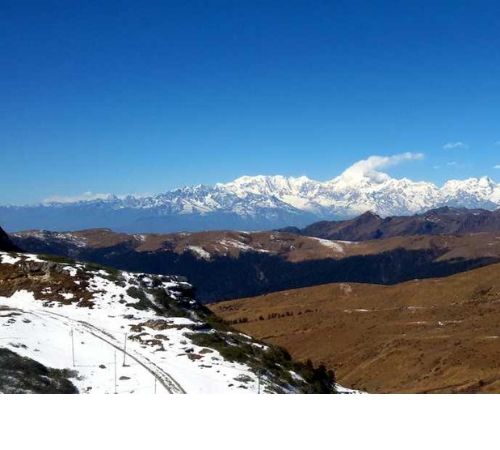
435,335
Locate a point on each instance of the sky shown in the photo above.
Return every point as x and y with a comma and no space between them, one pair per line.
142,97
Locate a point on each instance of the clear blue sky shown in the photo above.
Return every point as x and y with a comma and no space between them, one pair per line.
123,97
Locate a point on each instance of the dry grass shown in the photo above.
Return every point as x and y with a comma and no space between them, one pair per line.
292,247
46,279
435,335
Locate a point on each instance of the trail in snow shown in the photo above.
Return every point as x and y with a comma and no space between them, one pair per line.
166,380
97,358
84,319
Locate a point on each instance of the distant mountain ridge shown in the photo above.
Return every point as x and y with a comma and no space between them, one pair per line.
440,221
256,203
232,264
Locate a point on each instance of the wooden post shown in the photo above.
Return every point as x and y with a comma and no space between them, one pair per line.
124,349
115,374
72,346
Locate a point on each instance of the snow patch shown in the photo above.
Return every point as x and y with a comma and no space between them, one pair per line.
335,245
6,258
199,251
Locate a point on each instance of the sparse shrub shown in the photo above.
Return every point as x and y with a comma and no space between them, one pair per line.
112,274
57,259
169,304
143,304
320,380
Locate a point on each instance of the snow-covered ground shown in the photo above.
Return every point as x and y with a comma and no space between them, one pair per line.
56,329
343,390
99,333
49,339
337,246
199,251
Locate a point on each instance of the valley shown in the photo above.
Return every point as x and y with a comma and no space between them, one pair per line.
404,304
224,265
422,336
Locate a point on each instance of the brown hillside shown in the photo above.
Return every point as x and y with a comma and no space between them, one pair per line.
435,335
289,246
443,220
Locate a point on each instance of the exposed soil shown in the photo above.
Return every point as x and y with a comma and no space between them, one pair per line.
47,280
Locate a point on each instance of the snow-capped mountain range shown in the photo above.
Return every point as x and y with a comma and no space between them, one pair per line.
257,202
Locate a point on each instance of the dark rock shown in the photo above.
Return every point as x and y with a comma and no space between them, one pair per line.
6,244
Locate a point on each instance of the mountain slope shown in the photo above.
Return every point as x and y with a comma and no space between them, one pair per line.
441,221
435,335
22,375
226,264
6,244
111,331
253,203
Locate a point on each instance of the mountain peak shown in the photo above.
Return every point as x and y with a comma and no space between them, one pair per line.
367,216
487,181
262,202
246,180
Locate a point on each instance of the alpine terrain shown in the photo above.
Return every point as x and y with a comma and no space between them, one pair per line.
256,203
224,265
70,327
421,336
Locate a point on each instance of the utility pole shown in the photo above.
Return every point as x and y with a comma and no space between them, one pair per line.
115,374
155,385
72,346
124,349
258,381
